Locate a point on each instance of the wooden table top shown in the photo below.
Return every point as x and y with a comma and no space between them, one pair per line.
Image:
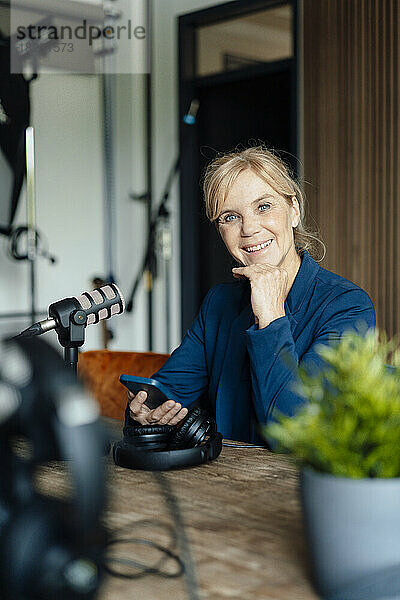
242,518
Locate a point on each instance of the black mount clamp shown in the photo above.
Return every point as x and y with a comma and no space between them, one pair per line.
71,322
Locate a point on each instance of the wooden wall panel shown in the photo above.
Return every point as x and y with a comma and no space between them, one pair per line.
351,139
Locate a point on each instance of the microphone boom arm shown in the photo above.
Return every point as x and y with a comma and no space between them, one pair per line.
147,264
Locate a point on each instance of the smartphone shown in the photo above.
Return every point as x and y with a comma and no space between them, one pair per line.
156,394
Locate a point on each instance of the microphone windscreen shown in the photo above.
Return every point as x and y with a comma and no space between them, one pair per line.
102,303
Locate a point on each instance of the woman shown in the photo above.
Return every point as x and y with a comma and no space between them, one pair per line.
250,335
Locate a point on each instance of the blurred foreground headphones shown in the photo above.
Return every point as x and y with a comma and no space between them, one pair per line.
164,447
49,548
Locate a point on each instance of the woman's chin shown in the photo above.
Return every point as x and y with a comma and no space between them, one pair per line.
261,259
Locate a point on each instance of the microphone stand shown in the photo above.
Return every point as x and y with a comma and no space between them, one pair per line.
31,214
149,263
70,329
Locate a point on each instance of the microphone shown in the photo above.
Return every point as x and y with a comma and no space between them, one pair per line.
90,307
190,117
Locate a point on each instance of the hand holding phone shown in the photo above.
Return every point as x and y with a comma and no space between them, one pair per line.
149,403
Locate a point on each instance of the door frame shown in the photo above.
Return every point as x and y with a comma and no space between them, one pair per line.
188,138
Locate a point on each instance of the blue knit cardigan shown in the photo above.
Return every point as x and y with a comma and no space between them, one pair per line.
239,370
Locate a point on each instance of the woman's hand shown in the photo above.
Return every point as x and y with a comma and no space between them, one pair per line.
169,413
268,291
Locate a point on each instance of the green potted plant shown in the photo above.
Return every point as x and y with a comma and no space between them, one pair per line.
346,440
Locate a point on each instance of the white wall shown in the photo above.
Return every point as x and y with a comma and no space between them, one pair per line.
66,113
131,217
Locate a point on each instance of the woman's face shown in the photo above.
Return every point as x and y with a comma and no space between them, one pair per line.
254,214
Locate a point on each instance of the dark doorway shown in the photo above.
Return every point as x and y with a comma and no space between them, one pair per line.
250,105
247,111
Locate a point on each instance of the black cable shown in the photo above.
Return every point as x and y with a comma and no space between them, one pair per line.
145,569
114,539
192,585
14,251
177,537
178,534
33,330
185,564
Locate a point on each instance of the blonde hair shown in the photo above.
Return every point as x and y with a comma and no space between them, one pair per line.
223,171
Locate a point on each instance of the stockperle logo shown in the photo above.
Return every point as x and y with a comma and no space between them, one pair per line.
84,31
79,37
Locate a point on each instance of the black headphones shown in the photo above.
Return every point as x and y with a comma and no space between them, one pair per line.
49,548
164,447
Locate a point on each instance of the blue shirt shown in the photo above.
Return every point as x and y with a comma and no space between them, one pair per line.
243,369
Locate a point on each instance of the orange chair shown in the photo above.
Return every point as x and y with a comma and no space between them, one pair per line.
100,371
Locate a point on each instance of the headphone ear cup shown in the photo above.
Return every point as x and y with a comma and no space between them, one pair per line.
131,431
147,437
185,435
